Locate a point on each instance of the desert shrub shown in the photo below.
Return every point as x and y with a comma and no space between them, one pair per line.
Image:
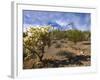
59,34
25,34
27,53
87,35
75,35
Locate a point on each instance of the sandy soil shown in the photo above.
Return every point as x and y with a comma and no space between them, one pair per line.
80,50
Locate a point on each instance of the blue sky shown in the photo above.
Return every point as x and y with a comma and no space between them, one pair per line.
82,21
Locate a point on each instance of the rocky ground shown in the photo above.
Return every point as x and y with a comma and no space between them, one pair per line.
63,53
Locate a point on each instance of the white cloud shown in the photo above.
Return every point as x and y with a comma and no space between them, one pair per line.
62,23
26,26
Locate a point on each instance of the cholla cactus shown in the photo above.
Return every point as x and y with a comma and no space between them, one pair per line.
36,40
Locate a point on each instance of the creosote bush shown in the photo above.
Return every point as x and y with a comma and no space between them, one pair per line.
75,35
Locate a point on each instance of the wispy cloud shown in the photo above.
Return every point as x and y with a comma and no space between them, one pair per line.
81,20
